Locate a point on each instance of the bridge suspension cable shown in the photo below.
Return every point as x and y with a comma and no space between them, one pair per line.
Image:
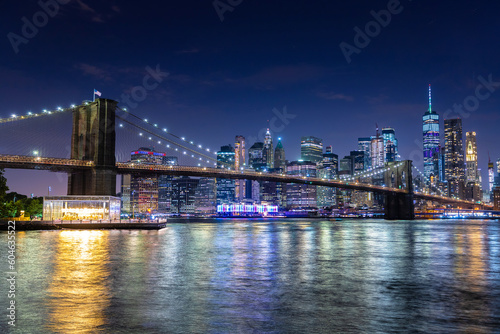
371,172
185,145
428,182
29,114
201,156
166,132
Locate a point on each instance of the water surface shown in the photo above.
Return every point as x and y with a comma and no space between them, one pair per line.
252,276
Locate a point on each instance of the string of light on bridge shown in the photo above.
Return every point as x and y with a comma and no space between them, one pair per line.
29,114
153,138
200,156
373,171
428,181
165,131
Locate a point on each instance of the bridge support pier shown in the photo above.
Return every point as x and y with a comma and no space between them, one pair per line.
93,139
399,206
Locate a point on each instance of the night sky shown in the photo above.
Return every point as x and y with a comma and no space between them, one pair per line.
227,76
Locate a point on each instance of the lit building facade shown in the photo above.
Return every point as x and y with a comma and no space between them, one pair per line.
279,156
225,187
184,195
144,190
126,192
165,188
275,192
454,158
473,181
365,144
311,149
377,151
239,152
431,142
268,152
256,158
359,160
472,175
327,169
206,196
390,144
246,210
496,198
491,175
346,167
81,208
301,195
239,163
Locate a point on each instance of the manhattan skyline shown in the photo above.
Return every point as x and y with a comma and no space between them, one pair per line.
225,78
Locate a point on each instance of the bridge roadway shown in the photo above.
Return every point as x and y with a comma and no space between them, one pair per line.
68,165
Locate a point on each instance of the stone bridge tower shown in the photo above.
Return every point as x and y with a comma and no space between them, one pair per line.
93,138
399,205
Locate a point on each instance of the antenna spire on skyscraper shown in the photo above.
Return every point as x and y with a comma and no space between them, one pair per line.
430,98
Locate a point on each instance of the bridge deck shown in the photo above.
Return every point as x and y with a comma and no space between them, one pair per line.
68,165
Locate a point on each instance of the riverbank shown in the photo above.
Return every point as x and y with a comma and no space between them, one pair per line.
35,225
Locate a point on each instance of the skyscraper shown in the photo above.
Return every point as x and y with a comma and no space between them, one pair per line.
269,150
226,157
390,144
165,186
239,162
239,152
346,167
225,187
274,193
454,157
471,158
279,156
431,139
491,175
301,195
327,169
359,160
473,179
364,144
256,158
184,194
377,151
206,196
144,189
311,149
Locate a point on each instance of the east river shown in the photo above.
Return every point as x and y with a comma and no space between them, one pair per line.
254,276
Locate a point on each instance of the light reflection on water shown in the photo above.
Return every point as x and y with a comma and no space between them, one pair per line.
228,276
78,293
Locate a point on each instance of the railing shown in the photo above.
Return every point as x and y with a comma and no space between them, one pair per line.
129,167
112,221
45,161
126,167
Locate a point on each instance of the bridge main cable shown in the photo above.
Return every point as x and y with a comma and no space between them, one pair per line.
211,158
30,115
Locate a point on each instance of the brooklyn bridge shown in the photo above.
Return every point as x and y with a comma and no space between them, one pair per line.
92,167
